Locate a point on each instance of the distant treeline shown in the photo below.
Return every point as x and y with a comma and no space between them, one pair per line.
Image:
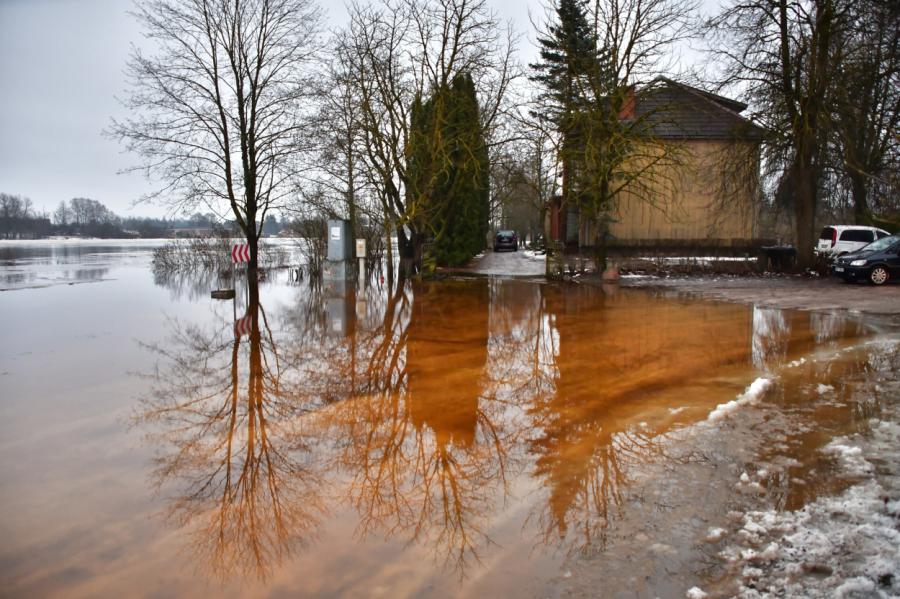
84,217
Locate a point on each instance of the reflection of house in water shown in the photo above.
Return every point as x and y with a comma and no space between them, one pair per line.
778,335
446,355
620,359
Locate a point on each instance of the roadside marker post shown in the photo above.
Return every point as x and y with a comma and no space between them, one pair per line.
240,253
361,254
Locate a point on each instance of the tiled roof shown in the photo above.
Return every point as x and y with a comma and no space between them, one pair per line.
676,110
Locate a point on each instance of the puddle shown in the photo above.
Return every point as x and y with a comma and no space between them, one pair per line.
457,438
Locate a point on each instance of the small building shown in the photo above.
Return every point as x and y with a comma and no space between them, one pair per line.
704,197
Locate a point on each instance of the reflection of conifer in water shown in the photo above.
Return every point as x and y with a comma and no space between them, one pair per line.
427,460
447,352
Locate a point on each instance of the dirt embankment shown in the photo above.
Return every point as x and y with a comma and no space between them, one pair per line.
793,292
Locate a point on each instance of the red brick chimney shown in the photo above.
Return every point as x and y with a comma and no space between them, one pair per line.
627,110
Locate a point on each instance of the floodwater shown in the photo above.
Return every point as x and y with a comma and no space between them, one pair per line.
466,437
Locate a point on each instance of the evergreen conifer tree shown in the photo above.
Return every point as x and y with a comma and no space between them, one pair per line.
567,71
449,168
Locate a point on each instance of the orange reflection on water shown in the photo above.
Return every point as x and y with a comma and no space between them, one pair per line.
421,416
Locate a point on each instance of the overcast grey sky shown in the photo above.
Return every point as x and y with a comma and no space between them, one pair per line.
61,68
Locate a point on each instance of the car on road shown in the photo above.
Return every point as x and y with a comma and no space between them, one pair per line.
836,240
877,262
506,240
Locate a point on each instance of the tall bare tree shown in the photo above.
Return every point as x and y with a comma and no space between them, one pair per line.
784,55
219,108
867,103
399,50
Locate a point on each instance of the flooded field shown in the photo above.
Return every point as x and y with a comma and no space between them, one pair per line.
479,437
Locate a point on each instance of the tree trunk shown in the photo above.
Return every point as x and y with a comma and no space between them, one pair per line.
412,248
253,242
805,212
389,251
601,252
860,201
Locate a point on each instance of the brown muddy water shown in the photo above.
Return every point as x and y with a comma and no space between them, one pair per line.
468,437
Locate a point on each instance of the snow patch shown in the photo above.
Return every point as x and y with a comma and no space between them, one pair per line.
752,394
849,457
823,389
715,534
695,593
848,544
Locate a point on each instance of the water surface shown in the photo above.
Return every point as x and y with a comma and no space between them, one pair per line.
465,437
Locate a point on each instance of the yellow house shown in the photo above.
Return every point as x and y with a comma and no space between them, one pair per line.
703,196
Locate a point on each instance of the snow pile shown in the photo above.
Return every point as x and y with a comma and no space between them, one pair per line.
752,394
843,546
747,485
849,457
823,389
836,544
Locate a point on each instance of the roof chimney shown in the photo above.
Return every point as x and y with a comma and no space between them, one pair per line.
627,110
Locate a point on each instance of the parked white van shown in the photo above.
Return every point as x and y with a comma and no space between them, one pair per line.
837,240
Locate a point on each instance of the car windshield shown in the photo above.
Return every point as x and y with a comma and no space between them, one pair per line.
505,233
882,244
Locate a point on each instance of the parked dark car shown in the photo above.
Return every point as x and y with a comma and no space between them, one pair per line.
506,240
878,262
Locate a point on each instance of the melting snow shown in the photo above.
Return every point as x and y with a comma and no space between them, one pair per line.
850,458
756,389
843,546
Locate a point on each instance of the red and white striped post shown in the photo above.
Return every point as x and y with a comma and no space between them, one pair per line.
240,254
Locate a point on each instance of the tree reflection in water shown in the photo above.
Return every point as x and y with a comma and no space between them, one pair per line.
416,408
225,421
425,454
618,357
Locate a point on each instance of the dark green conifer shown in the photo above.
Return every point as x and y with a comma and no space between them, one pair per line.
568,69
449,168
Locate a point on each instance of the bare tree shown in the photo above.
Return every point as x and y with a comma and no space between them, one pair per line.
220,106
401,50
867,104
524,178
63,214
14,211
783,54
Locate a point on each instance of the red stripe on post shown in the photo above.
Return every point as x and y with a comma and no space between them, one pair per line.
243,326
240,253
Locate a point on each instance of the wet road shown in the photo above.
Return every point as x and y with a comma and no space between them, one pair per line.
510,264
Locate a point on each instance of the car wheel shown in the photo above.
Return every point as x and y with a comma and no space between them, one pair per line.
879,275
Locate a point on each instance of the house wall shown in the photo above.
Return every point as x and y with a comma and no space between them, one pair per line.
708,196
